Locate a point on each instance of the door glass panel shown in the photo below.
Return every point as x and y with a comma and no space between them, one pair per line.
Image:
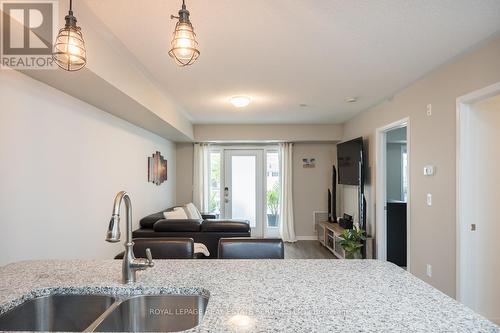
243,180
214,185
404,160
272,189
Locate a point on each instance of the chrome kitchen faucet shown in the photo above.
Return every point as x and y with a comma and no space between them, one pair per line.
130,263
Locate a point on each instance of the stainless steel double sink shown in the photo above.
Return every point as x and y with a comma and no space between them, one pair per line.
105,313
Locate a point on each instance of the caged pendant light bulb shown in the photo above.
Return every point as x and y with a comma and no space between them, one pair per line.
69,48
184,47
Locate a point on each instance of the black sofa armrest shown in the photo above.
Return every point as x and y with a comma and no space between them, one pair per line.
225,226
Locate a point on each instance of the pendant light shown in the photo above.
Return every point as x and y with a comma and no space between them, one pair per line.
184,47
69,48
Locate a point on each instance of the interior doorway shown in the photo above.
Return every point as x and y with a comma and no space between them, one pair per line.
478,227
393,193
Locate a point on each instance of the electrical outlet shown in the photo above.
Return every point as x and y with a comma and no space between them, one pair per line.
429,270
429,110
429,199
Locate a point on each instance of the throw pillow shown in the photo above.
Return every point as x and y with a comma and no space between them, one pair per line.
176,214
193,212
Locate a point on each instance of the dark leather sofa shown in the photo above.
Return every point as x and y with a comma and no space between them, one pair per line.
207,231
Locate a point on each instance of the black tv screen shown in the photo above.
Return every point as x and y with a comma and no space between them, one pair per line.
349,156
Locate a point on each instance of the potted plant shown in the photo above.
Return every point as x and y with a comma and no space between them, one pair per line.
273,203
351,241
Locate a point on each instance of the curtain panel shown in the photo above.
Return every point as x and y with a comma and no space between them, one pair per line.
287,229
200,177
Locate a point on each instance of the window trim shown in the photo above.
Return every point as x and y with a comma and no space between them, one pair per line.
212,150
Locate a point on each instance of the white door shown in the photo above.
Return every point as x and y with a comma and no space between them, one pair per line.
479,229
243,188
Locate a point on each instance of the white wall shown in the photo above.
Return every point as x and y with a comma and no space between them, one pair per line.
310,185
184,181
62,162
432,141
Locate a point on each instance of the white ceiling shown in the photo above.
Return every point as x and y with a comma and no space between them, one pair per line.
289,52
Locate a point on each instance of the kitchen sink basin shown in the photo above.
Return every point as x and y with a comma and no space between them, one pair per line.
69,313
155,313
102,313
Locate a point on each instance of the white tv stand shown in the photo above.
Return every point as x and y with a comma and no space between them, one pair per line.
328,236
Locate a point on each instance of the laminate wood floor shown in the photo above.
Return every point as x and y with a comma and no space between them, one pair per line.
307,250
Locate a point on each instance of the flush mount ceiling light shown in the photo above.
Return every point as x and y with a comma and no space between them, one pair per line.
184,47
351,100
240,101
69,49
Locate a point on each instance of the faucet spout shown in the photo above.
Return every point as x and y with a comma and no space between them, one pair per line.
113,234
130,263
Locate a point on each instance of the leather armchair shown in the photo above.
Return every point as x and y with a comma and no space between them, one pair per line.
251,248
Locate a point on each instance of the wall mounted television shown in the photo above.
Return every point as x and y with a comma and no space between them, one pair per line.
350,162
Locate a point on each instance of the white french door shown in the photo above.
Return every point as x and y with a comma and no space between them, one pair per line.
245,187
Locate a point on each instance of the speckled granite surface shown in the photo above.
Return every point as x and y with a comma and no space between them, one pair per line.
265,295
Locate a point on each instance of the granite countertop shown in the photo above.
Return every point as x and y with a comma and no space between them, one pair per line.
275,295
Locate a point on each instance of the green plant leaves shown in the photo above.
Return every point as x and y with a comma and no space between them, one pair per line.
351,241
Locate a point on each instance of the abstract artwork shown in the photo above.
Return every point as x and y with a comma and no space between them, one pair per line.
308,162
157,169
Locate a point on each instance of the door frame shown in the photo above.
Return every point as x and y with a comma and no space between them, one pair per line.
268,147
381,188
463,110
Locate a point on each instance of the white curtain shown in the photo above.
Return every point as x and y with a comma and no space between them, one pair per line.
200,177
287,230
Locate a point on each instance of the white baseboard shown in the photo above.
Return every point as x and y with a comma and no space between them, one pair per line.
307,237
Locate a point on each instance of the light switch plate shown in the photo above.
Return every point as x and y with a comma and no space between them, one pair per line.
429,270
429,199
429,110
